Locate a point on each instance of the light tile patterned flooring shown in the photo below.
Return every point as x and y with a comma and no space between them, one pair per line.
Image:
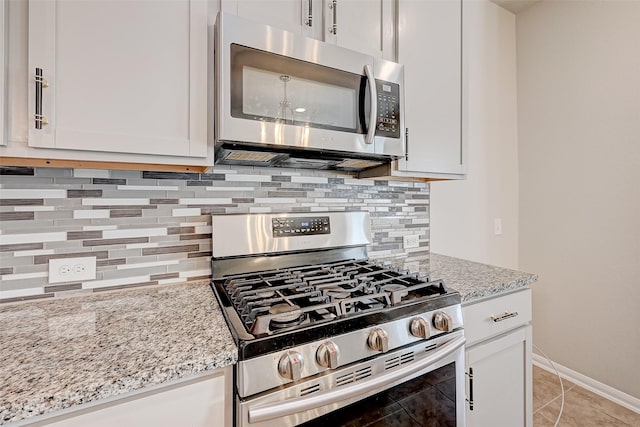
581,407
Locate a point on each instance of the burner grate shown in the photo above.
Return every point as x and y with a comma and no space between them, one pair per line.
321,293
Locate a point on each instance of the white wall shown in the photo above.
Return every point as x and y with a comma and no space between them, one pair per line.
579,142
463,212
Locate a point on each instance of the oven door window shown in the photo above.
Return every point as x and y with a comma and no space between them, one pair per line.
274,88
428,400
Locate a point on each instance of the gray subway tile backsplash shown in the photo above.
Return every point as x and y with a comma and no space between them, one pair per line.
149,228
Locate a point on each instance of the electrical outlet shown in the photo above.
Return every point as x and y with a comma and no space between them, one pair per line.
497,226
72,269
411,241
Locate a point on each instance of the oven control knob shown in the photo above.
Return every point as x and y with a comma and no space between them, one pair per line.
442,321
419,327
290,365
327,355
378,340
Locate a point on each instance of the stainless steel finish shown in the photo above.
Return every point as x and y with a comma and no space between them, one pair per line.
260,373
290,365
504,316
263,134
419,327
406,144
442,321
470,398
333,5
378,340
251,234
327,355
230,266
309,20
286,407
41,83
373,115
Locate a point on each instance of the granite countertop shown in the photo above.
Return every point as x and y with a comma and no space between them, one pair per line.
475,280
71,350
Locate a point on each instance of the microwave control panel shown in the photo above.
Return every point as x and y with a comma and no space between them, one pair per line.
388,109
286,227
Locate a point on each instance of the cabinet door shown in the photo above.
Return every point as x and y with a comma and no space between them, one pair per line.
429,45
501,383
123,76
198,404
301,17
360,25
3,77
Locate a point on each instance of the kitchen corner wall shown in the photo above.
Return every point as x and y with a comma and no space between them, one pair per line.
579,141
463,212
148,228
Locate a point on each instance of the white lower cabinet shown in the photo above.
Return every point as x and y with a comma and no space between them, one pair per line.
202,402
498,361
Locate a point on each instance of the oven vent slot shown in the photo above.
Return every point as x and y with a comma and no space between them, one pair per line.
309,390
353,376
430,347
406,358
398,360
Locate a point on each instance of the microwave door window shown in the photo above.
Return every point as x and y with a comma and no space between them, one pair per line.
274,88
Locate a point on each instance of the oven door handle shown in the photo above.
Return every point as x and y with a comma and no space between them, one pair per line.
312,401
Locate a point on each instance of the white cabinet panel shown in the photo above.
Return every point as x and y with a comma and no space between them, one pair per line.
501,371
429,45
3,74
199,403
499,359
290,15
358,24
126,77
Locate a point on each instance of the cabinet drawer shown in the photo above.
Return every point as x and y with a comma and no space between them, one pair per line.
497,315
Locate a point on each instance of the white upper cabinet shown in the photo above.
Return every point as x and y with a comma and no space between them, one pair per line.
118,76
3,77
302,17
360,25
430,47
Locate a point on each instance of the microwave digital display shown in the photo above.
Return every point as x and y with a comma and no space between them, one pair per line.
388,121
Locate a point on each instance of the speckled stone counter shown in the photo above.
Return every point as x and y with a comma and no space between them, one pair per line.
474,280
66,351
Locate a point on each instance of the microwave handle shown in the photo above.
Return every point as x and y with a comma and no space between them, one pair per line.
373,92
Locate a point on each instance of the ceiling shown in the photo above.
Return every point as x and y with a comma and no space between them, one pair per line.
516,6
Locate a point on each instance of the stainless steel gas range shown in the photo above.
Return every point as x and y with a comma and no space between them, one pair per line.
326,336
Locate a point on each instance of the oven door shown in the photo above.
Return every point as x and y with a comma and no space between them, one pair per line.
416,385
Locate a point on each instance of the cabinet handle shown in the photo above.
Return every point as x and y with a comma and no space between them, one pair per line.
333,5
406,144
40,119
470,399
309,20
504,316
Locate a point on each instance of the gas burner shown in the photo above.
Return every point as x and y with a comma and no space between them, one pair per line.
285,316
287,312
267,293
337,293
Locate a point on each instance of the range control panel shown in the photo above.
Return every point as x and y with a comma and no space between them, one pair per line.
300,226
388,121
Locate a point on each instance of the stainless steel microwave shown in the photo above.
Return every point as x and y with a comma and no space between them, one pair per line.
290,101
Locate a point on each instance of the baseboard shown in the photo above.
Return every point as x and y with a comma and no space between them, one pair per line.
603,390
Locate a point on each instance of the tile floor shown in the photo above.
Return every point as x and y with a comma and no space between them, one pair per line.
581,407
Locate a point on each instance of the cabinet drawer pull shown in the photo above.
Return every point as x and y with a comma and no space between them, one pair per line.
470,398
333,5
309,20
504,316
41,83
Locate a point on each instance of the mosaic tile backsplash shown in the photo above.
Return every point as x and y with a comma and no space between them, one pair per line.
148,228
